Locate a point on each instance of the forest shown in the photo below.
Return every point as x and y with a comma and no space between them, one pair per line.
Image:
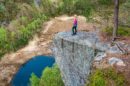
20,20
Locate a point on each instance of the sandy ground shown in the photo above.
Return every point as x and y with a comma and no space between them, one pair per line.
40,45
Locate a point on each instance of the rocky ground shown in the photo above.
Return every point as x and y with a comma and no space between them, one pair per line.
119,61
41,45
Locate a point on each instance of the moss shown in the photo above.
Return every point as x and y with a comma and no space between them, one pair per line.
106,77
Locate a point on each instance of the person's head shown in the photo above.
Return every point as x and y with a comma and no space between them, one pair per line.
75,16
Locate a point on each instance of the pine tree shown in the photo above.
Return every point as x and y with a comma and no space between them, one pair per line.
116,13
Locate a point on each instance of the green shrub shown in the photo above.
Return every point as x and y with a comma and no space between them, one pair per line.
70,7
28,31
97,79
8,10
81,7
13,40
50,77
3,36
105,2
113,75
34,80
48,7
2,11
122,31
106,77
107,31
3,40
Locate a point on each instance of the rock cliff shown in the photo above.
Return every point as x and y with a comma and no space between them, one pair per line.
74,55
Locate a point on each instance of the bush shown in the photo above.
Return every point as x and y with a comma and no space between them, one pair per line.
122,31
13,40
48,7
27,32
106,77
3,41
70,7
105,2
34,80
81,7
3,36
8,10
97,79
50,77
2,11
107,31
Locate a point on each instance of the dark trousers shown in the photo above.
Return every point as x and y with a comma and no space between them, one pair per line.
74,29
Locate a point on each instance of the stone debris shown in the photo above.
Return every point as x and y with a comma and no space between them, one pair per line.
116,61
100,56
101,46
114,49
119,48
127,47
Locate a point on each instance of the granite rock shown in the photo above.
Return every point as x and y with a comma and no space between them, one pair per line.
74,55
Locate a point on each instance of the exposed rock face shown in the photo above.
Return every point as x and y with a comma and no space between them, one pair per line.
74,55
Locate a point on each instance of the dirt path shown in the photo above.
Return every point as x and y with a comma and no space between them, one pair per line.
40,45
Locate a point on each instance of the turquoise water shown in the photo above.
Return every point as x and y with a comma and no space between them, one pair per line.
36,66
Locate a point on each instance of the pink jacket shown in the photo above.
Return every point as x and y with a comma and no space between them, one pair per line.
75,22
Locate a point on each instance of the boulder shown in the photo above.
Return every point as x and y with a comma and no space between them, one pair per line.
116,61
74,55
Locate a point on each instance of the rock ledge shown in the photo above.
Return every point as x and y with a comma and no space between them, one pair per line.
74,55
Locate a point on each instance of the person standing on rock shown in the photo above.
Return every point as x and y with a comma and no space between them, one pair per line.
74,28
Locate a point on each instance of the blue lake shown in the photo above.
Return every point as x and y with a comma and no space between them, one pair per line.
36,65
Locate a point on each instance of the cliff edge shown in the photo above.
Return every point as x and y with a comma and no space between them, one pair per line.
74,55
